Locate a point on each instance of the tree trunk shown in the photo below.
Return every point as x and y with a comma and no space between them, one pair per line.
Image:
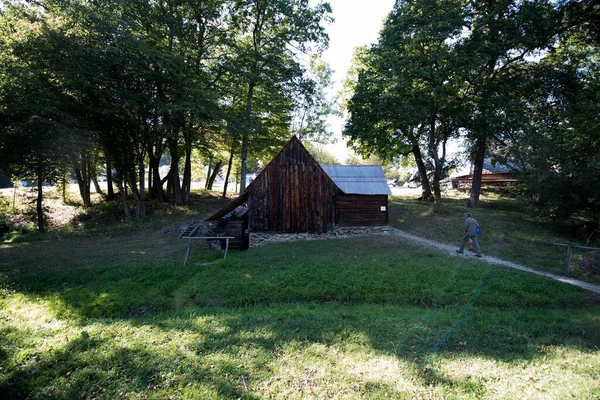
425,186
83,180
214,174
246,137
229,164
438,137
109,183
64,182
97,185
138,196
437,194
155,188
123,189
477,173
187,175
149,186
208,172
84,187
139,193
39,207
174,183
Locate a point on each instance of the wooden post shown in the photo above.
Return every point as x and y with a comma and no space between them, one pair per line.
570,250
187,253
568,264
226,248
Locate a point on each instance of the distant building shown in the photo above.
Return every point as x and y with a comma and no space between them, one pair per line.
493,174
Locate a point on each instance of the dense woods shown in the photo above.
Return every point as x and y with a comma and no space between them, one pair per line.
89,85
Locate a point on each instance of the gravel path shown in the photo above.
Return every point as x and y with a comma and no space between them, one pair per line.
496,261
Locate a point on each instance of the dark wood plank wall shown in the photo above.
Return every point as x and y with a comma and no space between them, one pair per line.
489,179
292,194
361,210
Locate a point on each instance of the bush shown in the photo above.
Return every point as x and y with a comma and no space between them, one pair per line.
590,263
5,225
101,214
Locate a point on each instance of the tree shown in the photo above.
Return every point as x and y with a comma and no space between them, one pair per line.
404,99
320,154
312,105
497,38
269,37
558,141
42,126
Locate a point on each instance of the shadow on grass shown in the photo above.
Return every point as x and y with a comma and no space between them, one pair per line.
233,329
229,352
94,366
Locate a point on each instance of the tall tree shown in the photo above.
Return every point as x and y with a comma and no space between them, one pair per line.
556,140
404,101
42,127
497,38
269,37
313,104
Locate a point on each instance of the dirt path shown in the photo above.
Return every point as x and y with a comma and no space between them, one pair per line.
496,261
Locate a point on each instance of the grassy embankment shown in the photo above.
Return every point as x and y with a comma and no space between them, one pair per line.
116,315
512,231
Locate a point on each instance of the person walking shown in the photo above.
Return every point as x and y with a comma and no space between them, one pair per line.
470,234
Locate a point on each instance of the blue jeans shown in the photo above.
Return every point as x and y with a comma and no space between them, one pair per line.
464,241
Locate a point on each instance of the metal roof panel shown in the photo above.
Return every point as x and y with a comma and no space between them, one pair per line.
358,179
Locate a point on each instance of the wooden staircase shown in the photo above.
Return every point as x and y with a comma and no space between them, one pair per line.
190,230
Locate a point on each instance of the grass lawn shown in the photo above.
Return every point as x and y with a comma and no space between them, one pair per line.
116,315
511,231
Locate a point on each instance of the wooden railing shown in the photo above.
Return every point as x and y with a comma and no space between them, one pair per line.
570,248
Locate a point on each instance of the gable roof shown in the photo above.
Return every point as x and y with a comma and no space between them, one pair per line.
489,167
358,179
293,152
498,168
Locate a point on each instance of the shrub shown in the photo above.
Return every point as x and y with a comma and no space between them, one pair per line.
5,225
590,263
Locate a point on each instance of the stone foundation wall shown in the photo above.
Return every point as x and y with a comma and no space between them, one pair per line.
261,238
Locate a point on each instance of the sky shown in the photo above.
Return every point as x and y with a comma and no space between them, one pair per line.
357,23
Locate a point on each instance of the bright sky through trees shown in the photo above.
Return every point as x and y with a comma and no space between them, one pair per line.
357,23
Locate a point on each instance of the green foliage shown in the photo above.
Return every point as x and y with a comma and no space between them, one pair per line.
85,83
4,207
269,38
5,226
564,171
320,154
404,99
508,76
309,120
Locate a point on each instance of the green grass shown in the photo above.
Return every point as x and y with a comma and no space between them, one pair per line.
117,316
511,231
